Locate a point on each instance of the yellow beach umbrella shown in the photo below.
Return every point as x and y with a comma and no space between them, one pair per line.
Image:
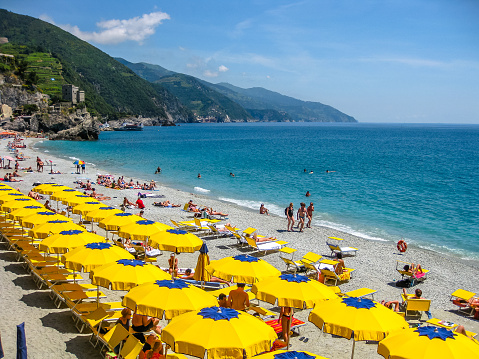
3,185
18,213
101,213
113,222
92,255
220,332
357,318
84,208
176,240
289,290
19,203
142,229
201,274
427,342
10,196
77,199
168,298
300,354
41,217
242,269
65,241
64,194
7,189
49,188
52,227
125,274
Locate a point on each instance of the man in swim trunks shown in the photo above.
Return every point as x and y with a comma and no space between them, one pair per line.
310,211
238,298
301,216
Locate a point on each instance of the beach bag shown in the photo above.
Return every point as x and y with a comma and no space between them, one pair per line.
286,211
111,355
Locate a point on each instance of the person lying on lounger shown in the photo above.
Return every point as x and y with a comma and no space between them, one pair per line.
390,304
415,270
190,276
262,239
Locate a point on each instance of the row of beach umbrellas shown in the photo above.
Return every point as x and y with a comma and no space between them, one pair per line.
196,325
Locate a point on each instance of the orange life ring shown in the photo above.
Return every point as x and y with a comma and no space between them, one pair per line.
402,246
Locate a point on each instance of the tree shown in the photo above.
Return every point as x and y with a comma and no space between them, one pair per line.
32,78
30,108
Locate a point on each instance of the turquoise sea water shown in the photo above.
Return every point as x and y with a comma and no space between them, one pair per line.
391,181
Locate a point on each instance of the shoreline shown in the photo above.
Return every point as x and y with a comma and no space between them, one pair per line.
452,253
375,266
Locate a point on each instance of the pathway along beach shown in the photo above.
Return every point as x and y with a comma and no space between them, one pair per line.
50,332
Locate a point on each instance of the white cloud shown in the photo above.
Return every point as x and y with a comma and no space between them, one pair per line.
115,31
209,73
223,68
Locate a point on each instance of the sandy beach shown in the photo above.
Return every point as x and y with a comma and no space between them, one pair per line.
51,334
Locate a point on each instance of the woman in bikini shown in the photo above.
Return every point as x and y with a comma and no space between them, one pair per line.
289,215
285,316
173,263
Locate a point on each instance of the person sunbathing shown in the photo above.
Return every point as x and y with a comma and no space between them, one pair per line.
415,270
417,295
215,213
390,304
127,203
166,203
190,276
34,195
340,267
47,206
262,239
129,246
15,174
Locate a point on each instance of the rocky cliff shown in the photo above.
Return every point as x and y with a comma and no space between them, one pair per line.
74,126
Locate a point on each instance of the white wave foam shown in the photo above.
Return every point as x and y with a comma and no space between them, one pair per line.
74,158
46,151
203,190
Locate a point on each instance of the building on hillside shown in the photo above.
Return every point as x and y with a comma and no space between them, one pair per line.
72,94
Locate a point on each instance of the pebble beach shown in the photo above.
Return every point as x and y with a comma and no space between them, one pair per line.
50,331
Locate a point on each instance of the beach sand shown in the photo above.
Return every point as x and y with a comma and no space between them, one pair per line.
51,334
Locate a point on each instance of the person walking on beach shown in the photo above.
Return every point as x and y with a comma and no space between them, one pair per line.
310,211
301,216
289,212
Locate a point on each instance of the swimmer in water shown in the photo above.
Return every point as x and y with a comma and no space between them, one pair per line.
199,175
308,194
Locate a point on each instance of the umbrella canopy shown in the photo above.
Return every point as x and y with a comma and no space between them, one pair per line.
427,342
242,269
64,193
9,158
18,213
52,227
125,274
10,196
142,229
176,240
220,332
167,297
49,188
77,199
201,273
79,162
359,318
3,185
293,354
41,217
291,290
7,189
67,240
93,255
20,203
87,207
101,213
113,222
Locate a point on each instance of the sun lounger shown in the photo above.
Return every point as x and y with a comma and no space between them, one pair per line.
262,312
336,248
92,319
131,348
296,266
265,246
415,306
461,299
205,285
360,293
414,277
217,233
295,325
112,338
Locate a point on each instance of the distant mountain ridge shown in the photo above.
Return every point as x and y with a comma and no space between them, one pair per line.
208,99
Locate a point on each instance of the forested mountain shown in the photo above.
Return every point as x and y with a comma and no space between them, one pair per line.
110,87
259,98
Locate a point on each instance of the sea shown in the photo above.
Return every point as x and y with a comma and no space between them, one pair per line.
382,182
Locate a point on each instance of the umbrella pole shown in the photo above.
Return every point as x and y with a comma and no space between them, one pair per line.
289,327
354,344
97,296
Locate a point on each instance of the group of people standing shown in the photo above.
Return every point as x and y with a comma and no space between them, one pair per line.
301,216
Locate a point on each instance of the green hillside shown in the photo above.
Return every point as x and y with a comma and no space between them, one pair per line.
202,100
110,87
262,99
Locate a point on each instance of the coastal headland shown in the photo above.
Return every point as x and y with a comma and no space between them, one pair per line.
51,334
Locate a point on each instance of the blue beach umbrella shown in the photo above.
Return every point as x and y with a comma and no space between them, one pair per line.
21,342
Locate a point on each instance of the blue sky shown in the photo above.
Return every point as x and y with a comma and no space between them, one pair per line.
404,61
